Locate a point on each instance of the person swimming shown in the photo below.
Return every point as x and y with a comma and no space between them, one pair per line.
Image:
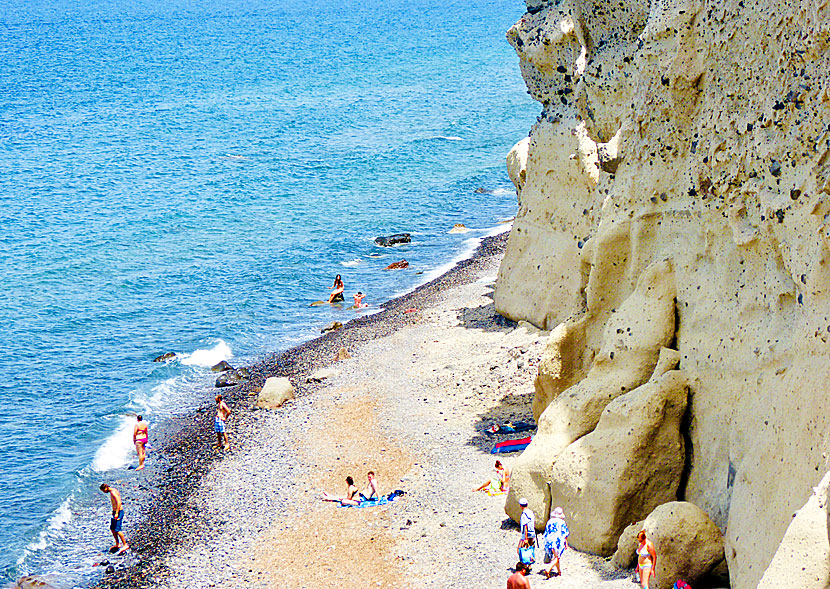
358,301
337,290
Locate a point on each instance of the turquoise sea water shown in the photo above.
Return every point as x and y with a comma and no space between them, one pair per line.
188,176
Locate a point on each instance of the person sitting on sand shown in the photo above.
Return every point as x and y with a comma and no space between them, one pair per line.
358,301
337,290
499,484
556,541
352,496
518,579
140,437
371,492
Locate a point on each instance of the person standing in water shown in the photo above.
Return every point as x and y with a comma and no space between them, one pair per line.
140,438
222,412
117,519
337,290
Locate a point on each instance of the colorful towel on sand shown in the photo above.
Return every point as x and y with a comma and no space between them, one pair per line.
509,427
375,502
511,446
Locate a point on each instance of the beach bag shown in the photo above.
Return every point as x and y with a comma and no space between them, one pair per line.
527,553
681,584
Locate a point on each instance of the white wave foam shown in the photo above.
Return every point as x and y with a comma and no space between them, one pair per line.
209,357
352,263
59,519
116,449
502,192
448,138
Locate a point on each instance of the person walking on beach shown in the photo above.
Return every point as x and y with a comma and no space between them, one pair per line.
556,541
518,579
646,559
117,519
140,437
337,290
527,523
222,412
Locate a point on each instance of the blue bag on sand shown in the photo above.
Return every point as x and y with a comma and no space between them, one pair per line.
527,554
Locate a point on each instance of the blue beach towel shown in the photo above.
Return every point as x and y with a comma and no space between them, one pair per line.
514,427
375,502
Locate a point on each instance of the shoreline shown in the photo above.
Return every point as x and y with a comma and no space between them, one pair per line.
186,457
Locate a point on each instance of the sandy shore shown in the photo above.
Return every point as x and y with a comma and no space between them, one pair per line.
411,404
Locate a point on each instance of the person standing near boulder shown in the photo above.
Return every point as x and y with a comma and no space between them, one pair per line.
222,412
556,541
117,519
646,559
140,438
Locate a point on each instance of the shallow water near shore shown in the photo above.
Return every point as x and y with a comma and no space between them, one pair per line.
188,178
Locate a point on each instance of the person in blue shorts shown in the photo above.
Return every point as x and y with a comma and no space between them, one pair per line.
222,412
117,519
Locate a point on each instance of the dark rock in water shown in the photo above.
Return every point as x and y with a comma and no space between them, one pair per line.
110,570
331,326
165,357
397,265
223,366
393,239
338,298
482,190
232,378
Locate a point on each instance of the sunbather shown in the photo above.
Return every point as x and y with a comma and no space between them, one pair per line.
371,492
500,483
352,496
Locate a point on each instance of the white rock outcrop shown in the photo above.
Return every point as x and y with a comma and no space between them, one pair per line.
695,133
688,544
275,392
803,558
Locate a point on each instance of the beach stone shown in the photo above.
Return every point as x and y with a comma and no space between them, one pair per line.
275,392
165,357
632,339
232,378
222,366
458,228
32,582
803,557
342,354
393,239
334,325
689,545
399,265
624,557
631,463
322,374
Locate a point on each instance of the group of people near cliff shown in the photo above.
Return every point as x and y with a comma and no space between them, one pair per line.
554,538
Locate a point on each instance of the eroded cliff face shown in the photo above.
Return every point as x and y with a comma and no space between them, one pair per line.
695,135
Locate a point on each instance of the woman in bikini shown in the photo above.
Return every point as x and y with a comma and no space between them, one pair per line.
337,290
140,437
499,484
646,559
352,496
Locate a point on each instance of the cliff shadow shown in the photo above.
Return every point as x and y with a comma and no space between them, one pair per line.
511,408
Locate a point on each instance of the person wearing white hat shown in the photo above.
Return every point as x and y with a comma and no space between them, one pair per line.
556,541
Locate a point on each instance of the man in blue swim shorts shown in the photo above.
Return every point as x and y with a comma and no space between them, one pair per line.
222,412
117,519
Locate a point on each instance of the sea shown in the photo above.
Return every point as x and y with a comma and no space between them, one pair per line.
188,176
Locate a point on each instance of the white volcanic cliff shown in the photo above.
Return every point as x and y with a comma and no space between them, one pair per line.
673,199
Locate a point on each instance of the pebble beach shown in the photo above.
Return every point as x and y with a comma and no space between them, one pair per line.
426,377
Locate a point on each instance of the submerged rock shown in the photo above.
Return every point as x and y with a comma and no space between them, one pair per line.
165,357
334,325
222,366
393,239
32,582
399,265
459,228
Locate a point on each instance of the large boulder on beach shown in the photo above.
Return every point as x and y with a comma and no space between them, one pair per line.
689,545
342,354
458,228
395,239
275,392
631,463
632,339
399,265
165,357
624,557
322,374
803,557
